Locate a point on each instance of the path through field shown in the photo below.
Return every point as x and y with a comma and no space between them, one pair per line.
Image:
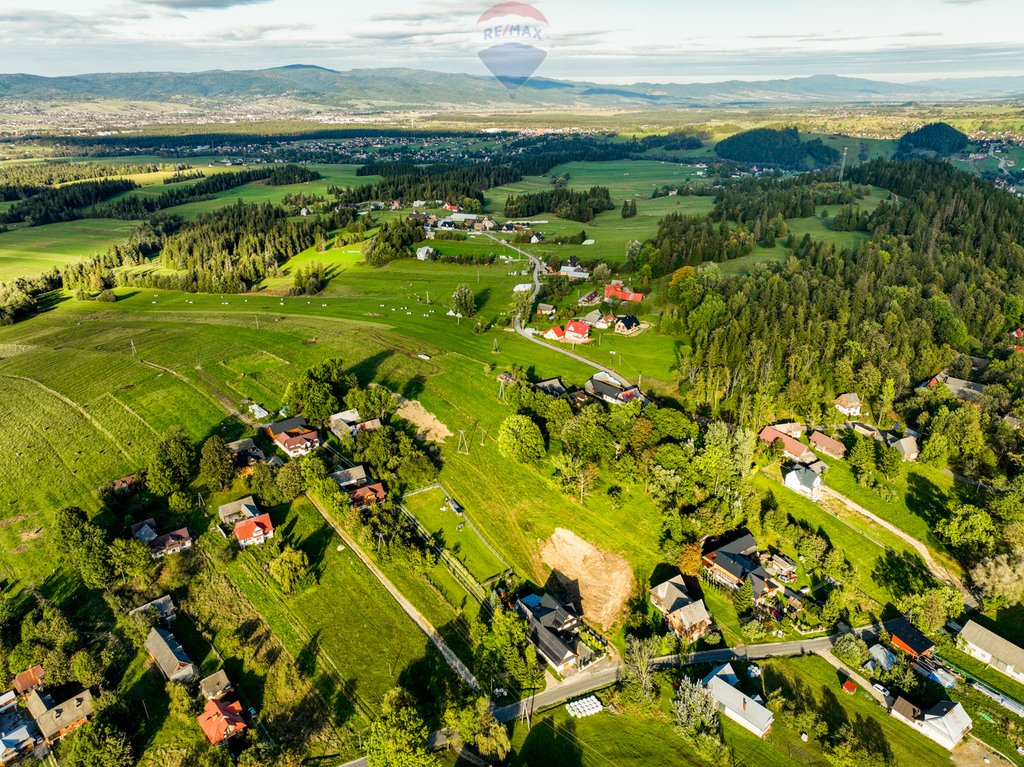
940,572
417,617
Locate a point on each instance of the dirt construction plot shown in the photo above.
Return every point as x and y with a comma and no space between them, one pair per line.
605,580
428,427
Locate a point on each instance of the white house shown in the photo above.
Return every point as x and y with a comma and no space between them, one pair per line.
722,684
849,405
804,480
993,650
946,723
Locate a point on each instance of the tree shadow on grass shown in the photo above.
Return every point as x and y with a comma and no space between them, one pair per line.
549,745
902,573
925,499
431,682
872,739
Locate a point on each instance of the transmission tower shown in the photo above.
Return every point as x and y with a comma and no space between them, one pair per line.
842,167
463,443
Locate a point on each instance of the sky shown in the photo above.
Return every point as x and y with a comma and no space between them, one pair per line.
596,40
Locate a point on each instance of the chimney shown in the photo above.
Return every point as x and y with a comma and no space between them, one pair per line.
744,704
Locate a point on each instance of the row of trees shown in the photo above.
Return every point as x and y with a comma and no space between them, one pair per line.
563,202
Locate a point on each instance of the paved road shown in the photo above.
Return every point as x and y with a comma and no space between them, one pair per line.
940,572
537,266
418,618
604,673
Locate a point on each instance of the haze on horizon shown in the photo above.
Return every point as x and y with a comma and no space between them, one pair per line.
598,40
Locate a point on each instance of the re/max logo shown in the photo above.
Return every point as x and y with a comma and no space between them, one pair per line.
512,30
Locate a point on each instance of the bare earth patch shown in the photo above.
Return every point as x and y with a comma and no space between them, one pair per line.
31,535
604,580
973,753
16,519
428,427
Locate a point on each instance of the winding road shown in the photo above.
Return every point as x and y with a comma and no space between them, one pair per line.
537,266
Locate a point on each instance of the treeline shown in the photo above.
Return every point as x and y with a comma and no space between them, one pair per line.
940,138
563,202
139,206
19,181
233,248
143,243
291,174
776,147
435,182
64,203
691,240
797,197
949,211
394,240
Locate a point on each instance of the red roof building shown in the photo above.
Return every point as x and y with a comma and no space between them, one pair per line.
367,494
849,687
577,332
828,445
618,292
221,720
255,530
29,680
793,448
555,334
1018,333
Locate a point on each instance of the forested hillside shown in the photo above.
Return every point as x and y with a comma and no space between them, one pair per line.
784,148
942,273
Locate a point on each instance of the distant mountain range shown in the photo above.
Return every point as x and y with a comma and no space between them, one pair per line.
382,89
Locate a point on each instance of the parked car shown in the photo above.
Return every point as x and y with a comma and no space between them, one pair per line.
881,689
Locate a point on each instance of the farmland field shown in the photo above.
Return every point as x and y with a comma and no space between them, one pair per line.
28,251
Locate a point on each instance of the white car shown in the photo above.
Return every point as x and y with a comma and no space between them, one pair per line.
881,689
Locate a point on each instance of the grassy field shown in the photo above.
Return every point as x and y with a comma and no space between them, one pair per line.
364,644
886,568
457,536
26,252
627,739
624,178
920,497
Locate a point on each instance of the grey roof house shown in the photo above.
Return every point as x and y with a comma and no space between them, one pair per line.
169,656
990,648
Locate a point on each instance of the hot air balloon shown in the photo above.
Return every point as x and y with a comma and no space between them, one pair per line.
514,39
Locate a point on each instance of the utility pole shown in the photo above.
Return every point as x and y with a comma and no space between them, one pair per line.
842,167
257,322
134,352
463,443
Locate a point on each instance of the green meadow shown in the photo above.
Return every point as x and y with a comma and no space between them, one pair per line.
29,251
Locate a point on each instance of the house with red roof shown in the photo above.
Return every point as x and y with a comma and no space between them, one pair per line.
616,291
367,495
294,436
220,721
555,334
828,445
577,332
254,531
793,449
31,679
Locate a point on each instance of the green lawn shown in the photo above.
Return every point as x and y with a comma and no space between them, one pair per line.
468,547
370,644
920,498
29,251
886,567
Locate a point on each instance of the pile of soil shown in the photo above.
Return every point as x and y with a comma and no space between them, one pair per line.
604,580
428,427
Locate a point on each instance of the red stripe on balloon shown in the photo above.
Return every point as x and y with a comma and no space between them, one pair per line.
512,9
